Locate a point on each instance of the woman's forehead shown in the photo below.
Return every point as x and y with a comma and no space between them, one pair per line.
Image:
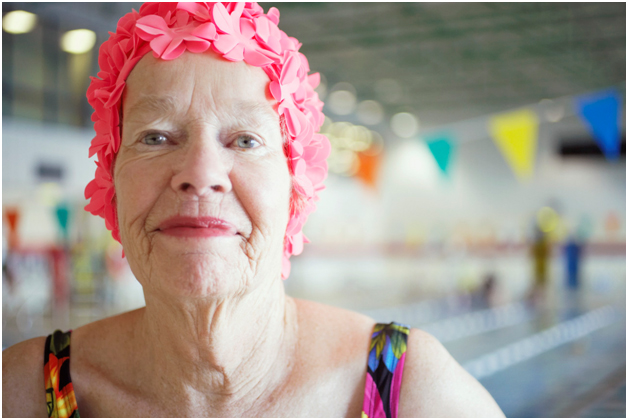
251,112
204,78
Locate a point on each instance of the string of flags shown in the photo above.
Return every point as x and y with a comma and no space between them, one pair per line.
515,133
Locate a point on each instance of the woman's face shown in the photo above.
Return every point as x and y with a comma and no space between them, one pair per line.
201,140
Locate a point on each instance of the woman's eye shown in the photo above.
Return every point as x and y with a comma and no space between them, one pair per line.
246,142
154,139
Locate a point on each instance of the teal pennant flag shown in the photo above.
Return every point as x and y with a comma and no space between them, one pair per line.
62,211
600,112
441,146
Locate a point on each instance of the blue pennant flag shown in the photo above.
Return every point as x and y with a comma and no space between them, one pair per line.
600,112
441,146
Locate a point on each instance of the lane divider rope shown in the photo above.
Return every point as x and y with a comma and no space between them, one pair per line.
479,322
544,341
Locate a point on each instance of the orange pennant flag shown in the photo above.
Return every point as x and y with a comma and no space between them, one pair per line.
368,167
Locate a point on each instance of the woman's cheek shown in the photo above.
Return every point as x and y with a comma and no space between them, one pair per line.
263,190
277,192
138,183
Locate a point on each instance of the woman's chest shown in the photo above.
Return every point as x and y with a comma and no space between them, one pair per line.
333,394
326,393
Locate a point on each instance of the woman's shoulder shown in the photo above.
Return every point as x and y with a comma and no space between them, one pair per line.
23,388
327,313
333,353
435,385
99,347
333,323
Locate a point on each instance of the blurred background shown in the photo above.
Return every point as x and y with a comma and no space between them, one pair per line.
477,184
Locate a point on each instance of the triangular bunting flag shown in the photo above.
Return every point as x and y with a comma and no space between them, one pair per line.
516,133
441,147
13,216
62,212
368,167
600,112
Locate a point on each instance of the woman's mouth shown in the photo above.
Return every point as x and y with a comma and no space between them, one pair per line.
198,227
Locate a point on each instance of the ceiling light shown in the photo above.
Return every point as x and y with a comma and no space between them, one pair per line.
19,22
78,41
370,112
343,162
404,125
341,102
345,86
362,138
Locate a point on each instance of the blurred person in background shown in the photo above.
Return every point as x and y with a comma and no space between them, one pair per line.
573,252
540,255
208,165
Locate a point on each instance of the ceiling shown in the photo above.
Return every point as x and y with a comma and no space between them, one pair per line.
453,61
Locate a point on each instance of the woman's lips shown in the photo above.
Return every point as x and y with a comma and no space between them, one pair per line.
199,227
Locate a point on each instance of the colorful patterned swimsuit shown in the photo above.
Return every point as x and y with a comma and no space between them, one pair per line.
387,354
60,397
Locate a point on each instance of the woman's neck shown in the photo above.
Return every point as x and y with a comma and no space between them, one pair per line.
219,355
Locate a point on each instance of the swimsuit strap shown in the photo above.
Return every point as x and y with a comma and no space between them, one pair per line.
387,354
60,398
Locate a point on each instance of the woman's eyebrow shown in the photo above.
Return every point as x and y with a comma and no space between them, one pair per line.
254,113
250,113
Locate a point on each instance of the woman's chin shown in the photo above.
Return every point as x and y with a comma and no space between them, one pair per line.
199,274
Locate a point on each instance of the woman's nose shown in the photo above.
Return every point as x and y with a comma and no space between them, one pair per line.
203,170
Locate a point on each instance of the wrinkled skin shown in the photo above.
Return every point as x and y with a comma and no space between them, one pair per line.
216,150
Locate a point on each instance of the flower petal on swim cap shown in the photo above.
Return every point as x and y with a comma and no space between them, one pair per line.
151,26
294,121
222,19
314,80
205,31
97,202
174,49
199,11
91,188
297,243
318,149
296,149
273,15
224,44
196,46
247,29
262,28
316,174
256,58
290,69
236,54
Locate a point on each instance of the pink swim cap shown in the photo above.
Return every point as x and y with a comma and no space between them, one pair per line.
238,32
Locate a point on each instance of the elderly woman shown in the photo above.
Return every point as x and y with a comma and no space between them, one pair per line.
208,165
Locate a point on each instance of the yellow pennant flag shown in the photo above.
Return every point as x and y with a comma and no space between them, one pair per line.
516,133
